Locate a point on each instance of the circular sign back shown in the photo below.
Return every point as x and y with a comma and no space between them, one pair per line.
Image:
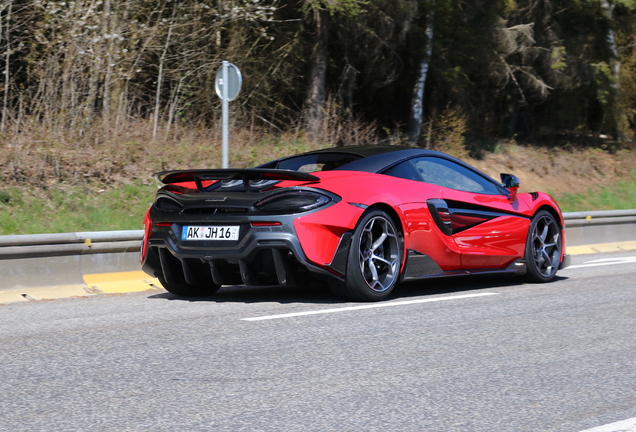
234,82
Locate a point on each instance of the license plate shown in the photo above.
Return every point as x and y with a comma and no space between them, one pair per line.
210,233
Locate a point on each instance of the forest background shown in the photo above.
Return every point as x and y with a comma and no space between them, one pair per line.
96,95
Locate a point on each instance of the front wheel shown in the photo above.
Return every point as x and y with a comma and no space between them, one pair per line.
543,248
188,290
374,260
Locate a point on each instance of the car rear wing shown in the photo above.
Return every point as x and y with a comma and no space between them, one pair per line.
198,176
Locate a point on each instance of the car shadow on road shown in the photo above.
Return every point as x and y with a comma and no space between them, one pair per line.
448,285
315,294
320,293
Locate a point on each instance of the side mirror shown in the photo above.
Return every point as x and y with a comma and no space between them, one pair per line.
511,183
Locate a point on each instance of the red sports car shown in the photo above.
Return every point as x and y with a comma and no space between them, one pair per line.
360,218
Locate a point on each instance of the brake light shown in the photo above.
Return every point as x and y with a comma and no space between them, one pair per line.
265,224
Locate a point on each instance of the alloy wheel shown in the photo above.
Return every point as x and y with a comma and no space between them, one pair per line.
379,254
546,245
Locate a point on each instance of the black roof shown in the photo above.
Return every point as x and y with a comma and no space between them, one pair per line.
362,150
381,160
371,158
378,158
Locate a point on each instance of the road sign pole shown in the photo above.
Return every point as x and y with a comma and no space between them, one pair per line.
227,86
226,115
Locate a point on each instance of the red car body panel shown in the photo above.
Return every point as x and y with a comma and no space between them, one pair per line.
320,233
492,244
147,226
424,237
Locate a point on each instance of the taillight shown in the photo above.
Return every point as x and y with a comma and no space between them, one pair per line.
293,202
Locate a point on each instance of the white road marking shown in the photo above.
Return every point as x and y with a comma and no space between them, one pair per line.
628,425
605,262
366,306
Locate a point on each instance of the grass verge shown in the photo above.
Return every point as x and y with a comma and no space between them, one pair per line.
74,209
619,196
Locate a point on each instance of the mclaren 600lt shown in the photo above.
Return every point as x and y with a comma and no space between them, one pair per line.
359,218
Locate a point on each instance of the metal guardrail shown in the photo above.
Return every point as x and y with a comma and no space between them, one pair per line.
601,217
38,245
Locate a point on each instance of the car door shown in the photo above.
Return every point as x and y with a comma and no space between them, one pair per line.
488,228
422,237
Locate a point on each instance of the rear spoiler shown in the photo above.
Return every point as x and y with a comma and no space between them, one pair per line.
200,175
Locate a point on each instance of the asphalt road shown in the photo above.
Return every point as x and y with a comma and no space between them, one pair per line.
464,354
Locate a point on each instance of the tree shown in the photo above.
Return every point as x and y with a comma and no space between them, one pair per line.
416,118
321,12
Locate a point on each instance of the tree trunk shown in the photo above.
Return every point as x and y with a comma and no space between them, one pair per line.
615,66
416,118
160,79
106,26
315,102
5,102
611,41
173,106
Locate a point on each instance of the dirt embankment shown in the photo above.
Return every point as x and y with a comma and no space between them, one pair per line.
26,162
558,171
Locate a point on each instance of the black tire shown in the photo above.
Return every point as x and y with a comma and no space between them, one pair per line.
543,248
374,260
187,290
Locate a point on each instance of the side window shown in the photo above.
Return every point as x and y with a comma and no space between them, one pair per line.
406,170
448,174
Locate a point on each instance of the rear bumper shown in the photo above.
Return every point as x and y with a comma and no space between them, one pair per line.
265,256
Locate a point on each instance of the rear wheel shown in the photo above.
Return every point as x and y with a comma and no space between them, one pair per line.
187,290
543,248
374,260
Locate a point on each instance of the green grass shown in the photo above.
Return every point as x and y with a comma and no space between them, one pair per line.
74,209
620,196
